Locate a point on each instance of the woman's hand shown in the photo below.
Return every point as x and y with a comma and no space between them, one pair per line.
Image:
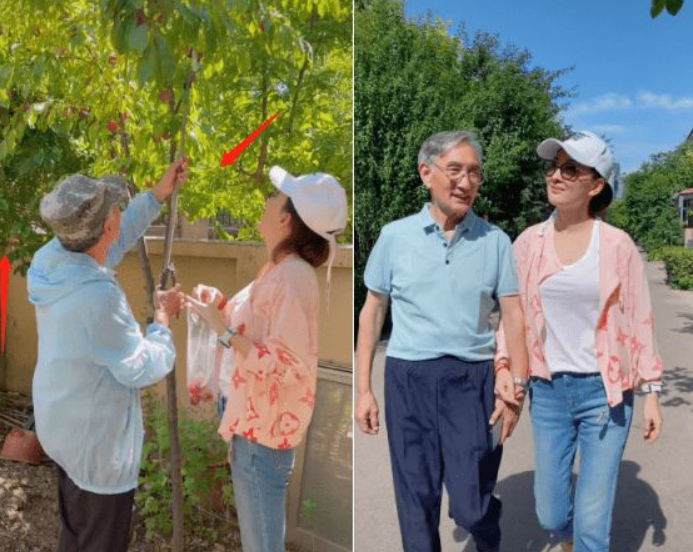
510,414
505,387
209,312
653,418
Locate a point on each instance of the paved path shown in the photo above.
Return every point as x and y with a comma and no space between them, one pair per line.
654,504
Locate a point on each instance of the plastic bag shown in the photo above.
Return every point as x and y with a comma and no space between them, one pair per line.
202,346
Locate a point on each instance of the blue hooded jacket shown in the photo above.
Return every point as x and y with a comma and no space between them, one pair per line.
93,360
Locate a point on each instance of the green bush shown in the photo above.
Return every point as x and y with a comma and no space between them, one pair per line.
648,211
204,469
656,254
679,266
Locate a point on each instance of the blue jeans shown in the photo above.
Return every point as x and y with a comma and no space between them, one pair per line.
571,412
260,477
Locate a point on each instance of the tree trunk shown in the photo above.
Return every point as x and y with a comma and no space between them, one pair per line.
168,269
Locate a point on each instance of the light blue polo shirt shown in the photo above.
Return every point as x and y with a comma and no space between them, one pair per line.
442,294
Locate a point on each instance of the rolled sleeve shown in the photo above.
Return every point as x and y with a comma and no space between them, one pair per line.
648,363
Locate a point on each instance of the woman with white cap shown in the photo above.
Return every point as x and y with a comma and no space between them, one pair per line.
268,372
590,335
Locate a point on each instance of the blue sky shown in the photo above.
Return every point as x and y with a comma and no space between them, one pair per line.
632,76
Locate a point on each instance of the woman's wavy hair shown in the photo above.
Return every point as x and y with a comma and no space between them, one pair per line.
599,203
302,241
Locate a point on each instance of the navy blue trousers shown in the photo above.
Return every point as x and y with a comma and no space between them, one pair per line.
437,414
93,522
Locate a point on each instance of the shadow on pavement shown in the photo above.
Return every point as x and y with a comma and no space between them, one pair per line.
680,380
637,510
688,328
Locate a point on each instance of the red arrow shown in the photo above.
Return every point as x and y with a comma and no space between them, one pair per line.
5,267
230,157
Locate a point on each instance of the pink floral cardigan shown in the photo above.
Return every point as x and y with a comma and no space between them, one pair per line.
272,390
626,349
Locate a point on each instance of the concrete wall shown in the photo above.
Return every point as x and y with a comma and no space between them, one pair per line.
228,266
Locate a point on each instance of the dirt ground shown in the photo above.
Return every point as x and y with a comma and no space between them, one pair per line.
29,520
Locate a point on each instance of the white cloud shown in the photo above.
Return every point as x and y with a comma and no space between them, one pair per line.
665,101
621,102
605,102
609,129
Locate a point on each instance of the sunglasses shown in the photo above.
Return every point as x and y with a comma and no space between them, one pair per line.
570,170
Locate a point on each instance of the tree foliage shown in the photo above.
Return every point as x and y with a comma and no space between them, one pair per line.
648,210
416,78
118,85
107,84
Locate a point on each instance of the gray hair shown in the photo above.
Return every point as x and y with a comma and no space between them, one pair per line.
442,142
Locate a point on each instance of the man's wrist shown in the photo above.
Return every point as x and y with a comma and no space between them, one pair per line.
158,195
502,363
160,317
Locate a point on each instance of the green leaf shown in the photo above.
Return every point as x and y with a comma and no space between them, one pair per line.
118,34
189,16
137,38
673,6
657,7
166,68
148,64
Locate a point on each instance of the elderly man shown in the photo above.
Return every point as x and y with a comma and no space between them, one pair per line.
444,269
93,358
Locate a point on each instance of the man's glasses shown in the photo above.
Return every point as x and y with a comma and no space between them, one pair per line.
457,173
570,170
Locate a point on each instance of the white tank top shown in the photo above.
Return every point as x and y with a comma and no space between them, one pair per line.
570,299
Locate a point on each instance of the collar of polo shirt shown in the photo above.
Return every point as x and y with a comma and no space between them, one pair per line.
428,224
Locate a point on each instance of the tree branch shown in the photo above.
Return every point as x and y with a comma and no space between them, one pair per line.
301,75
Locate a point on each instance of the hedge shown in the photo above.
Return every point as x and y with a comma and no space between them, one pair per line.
678,262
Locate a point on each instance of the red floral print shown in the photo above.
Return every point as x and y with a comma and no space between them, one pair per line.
287,424
237,379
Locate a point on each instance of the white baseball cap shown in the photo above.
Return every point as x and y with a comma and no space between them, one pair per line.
321,203
587,149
